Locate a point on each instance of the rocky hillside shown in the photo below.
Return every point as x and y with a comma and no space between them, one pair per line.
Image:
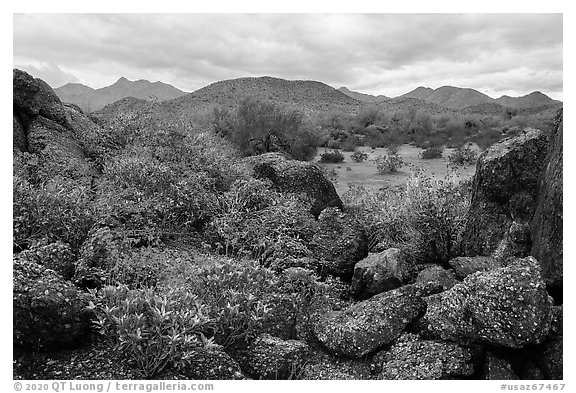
363,97
533,100
94,99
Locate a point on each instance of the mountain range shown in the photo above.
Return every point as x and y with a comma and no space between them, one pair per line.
89,99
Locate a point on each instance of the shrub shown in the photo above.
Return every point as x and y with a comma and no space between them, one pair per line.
431,153
351,143
464,155
426,218
389,163
151,328
334,156
359,156
56,256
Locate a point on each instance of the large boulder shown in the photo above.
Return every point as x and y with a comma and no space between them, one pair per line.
33,96
340,242
547,224
412,358
48,311
19,141
296,177
57,256
210,364
269,357
506,307
381,272
465,266
437,274
366,326
498,368
550,354
505,189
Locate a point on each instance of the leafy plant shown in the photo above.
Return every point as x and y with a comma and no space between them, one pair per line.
388,163
334,157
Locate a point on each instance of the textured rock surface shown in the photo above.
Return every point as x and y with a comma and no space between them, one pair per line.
340,242
48,311
413,358
465,266
506,307
368,325
497,368
437,274
381,272
210,364
19,141
269,357
296,177
505,187
52,255
551,353
548,218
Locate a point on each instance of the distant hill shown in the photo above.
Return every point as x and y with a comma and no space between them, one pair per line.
94,99
533,100
460,98
450,97
361,96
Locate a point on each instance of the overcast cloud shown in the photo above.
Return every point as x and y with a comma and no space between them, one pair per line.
388,54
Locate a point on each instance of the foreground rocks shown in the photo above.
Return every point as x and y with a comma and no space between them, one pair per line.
48,311
504,307
437,274
413,358
381,272
505,190
368,325
465,266
548,219
209,364
294,176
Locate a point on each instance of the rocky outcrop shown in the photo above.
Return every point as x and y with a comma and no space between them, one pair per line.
413,358
366,326
437,274
465,266
298,177
210,364
269,357
506,307
547,224
498,368
48,311
19,140
551,353
505,188
57,256
381,272
340,242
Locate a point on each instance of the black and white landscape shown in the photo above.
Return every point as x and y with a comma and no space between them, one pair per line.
346,196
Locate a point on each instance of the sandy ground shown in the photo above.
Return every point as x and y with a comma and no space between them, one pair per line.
366,174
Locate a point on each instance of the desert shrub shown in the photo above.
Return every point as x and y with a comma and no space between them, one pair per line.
369,116
58,210
359,156
57,256
150,328
258,127
487,137
388,163
334,156
351,143
462,156
425,218
431,153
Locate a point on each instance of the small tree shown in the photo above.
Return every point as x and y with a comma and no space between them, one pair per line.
389,163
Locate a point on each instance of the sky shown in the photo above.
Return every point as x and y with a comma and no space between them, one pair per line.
389,54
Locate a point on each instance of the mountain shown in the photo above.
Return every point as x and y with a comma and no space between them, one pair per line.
94,99
363,97
450,97
533,100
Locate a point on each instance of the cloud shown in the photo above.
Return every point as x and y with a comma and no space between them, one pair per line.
376,53
49,72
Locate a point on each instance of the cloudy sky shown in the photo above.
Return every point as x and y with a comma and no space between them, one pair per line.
388,54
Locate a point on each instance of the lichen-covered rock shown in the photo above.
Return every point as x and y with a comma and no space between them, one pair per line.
515,243
497,368
465,266
33,96
57,256
381,272
48,311
269,357
550,354
412,358
504,189
506,307
340,242
296,177
446,278
210,364
366,326
547,225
